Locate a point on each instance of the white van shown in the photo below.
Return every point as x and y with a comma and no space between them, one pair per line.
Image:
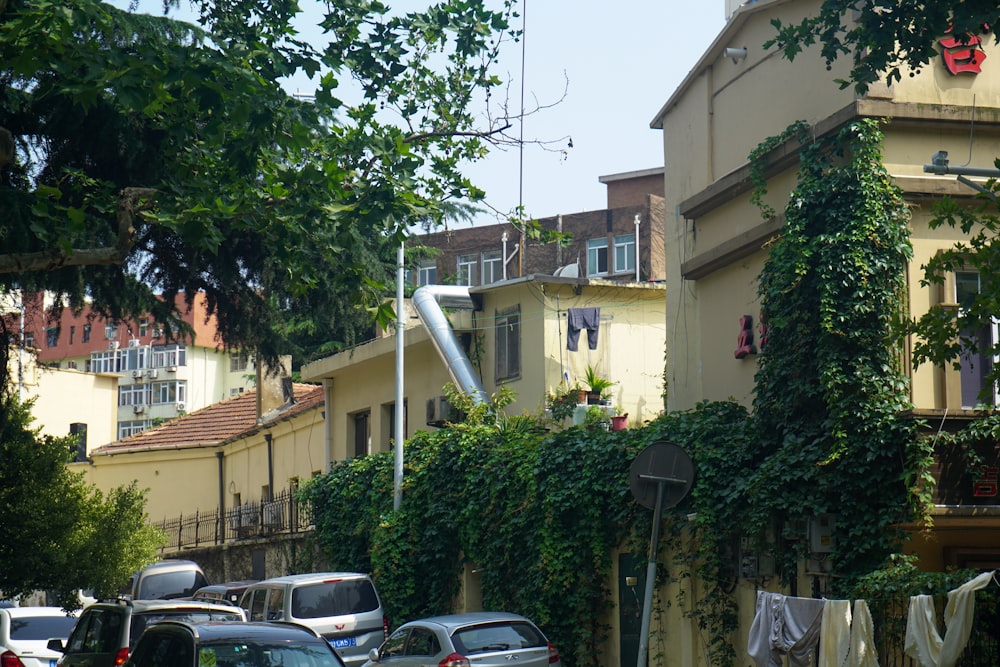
343,607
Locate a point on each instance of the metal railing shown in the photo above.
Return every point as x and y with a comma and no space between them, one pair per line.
256,519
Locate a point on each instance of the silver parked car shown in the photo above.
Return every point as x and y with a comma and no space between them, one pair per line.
485,639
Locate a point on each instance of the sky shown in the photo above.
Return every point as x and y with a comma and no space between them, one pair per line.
615,62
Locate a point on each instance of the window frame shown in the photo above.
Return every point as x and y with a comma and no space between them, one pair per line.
507,344
467,270
624,245
597,251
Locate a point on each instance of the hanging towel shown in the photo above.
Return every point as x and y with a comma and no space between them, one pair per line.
923,643
582,318
863,653
787,626
835,633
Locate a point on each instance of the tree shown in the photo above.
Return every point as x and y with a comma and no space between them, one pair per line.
59,533
882,37
152,157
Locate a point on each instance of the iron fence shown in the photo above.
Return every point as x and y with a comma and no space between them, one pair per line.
262,518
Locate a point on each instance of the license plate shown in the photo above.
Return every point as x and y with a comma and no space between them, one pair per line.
52,663
344,642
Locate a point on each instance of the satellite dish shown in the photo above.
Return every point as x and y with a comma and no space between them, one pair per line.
661,462
568,271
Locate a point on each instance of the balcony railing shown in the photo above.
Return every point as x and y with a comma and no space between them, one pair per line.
256,519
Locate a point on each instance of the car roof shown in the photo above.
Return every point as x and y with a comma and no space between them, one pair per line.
314,577
157,605
23,612
171,564
214,631
451,622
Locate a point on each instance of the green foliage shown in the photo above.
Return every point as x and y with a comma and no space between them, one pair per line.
562,402
544,511
60,533
829,387
598,384
882,39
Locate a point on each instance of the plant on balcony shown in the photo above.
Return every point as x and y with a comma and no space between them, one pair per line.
599,385
563,401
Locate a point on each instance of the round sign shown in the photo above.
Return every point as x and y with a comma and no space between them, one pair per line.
661,462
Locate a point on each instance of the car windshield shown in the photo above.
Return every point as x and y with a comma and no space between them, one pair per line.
141,621
166,585
334,598
35,628
284,654
497,637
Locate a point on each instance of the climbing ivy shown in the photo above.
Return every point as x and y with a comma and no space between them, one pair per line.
830,390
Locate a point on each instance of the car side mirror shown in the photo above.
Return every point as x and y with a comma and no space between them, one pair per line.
373,655
55,644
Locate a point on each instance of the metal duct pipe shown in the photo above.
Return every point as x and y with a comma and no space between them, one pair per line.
428,301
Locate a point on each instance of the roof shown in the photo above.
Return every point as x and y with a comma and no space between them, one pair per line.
253,632
313,577
453,621
217,424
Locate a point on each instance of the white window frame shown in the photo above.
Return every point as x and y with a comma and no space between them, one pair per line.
625,253
169,355
492,267
427,273
507,348
467,270
594,256
171,391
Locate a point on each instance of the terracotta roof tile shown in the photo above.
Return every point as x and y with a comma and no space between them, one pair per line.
215,424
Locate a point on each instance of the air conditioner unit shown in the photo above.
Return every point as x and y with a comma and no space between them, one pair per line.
133,342
113,345
138,409
157,333
171,369
152,373
137,374
439,411
180,406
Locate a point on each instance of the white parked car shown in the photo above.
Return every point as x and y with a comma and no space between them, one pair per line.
25,631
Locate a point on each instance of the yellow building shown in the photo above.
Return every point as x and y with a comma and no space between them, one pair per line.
512,333
738,95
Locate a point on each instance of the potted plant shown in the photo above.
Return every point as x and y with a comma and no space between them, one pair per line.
562,402
598,385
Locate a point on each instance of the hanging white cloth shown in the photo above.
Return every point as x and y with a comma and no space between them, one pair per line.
847,639
784,625
923,642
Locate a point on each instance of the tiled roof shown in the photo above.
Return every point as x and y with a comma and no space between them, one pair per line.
216,424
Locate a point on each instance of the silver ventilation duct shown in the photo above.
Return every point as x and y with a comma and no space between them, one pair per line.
428,302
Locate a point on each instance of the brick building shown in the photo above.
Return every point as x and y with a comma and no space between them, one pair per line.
606,243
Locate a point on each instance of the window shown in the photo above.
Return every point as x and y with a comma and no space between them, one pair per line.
508,344
133,394
134,358
52,336
977,366
143,327
168,392
72,334
597,257
106,361
468,270
389,424
29,339
492,267
86,333
426,273
168,355
625,253
130,428
111,331
362,432
238,362
236,391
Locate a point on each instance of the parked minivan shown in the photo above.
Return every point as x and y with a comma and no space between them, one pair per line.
343,607
168,579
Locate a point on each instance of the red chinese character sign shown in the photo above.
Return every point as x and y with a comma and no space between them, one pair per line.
968,478
962,55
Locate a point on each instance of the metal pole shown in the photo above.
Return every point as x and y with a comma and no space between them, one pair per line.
637,247
397,478
647,602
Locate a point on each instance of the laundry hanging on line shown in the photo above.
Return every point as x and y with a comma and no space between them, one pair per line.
578,319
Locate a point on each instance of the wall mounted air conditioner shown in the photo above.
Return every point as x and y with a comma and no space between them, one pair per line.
157,333
137,374
180,406
171,369
439,411
152,373
113,345
138,409
133,342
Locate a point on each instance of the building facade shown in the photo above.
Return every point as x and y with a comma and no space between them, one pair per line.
737,96
623,242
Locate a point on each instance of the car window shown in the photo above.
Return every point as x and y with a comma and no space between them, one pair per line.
497,637
166,585
285,654
395,644
422,642
28,628
257,605
141,621
163,650
98,631
334,598
275,604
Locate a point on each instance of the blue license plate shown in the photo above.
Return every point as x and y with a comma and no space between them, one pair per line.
52,663
344,642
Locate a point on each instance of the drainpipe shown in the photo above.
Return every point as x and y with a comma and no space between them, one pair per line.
637,247
222,498
270,467
428,301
